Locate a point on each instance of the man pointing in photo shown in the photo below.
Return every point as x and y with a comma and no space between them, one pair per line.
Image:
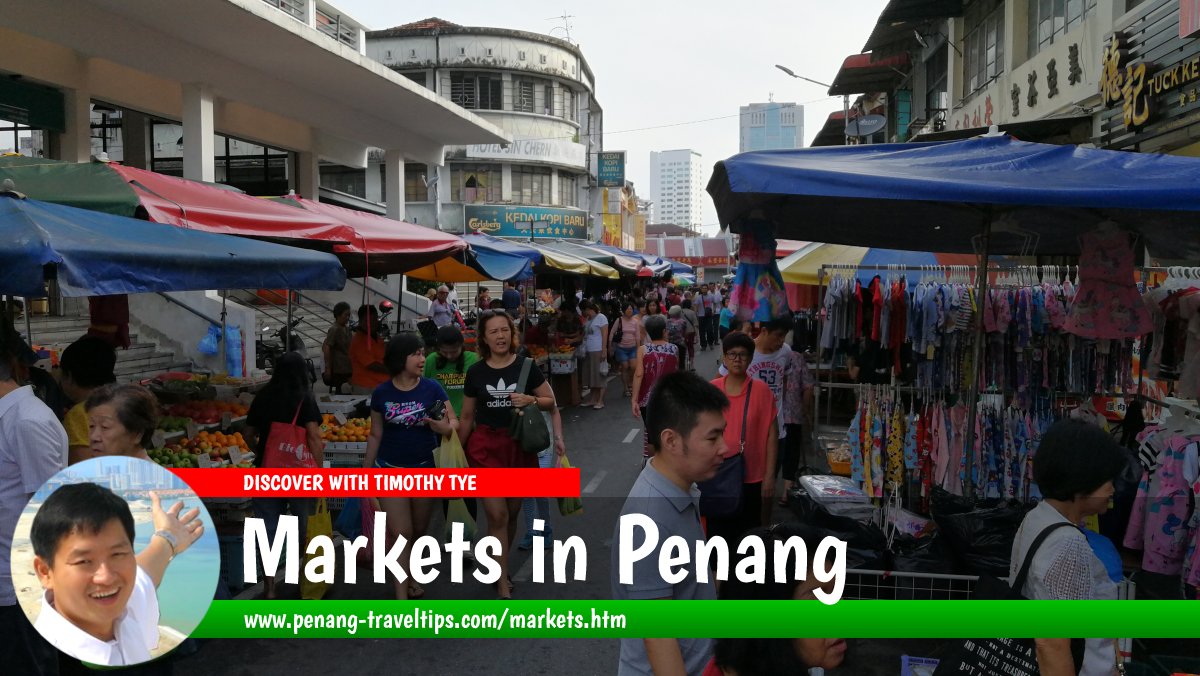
100,603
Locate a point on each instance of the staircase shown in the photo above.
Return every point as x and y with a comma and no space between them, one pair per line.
139,362
313,327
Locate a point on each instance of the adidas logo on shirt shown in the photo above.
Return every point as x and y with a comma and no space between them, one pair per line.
500,393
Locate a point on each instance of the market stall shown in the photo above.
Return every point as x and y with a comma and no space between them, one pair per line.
1057,335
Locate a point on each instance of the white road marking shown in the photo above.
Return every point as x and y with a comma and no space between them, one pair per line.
595,482
632,435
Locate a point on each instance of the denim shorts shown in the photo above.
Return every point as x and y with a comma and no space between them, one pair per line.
626,354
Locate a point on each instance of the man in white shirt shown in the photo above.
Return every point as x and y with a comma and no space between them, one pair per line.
440,309
451,295
33,448
99,602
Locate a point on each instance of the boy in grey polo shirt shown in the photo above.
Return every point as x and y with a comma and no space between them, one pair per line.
686,424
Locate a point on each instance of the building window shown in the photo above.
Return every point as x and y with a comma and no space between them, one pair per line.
531,185
543,58
521,56
106,131
548,100
568,104
344,179
23,139
1048,18
983,47
419,78
477,91
567,191
414,183
936,72
258,170
523,96
475,183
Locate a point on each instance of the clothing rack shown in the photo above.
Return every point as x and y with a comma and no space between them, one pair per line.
972,275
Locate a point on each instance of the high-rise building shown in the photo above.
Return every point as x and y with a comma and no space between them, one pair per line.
677,187
771,126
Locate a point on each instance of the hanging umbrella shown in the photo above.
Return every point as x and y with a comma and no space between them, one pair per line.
684,279
92,253
804,266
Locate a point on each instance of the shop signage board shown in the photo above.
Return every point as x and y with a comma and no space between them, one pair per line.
699,261
32,105
610,169
513,220
556,151
1149,77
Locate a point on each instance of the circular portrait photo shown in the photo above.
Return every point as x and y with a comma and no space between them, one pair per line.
115,561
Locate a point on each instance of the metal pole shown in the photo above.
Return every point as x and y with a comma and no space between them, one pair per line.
816,414
224,359
287,341
977,351
28,325
846,119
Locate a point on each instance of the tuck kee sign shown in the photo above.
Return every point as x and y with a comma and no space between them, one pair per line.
1135,89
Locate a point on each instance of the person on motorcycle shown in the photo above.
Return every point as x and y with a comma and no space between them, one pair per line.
336,349
366,352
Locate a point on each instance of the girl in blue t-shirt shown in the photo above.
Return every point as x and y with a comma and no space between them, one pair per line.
404,435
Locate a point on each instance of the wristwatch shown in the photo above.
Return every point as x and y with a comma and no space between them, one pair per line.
170,538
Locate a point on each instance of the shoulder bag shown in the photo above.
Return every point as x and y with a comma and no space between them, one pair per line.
1015,656
287,445
722,495
529,431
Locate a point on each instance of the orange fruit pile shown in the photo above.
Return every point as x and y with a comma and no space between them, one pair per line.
355,430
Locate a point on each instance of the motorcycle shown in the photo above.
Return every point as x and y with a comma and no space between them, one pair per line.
269,347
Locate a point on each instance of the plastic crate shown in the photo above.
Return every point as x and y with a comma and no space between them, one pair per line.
562,365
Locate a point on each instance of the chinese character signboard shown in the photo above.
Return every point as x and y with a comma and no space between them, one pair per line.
512,221
1143,90
610,170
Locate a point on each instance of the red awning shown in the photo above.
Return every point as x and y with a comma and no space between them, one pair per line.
200,206
393,247
860,74
787,247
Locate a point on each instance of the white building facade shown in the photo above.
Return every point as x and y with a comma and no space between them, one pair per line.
677,187
539,90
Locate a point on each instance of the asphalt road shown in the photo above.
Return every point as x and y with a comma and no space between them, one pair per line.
606,446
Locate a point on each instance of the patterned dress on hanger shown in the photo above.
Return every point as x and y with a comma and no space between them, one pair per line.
1107,303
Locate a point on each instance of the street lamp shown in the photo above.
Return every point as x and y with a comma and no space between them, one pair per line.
845,101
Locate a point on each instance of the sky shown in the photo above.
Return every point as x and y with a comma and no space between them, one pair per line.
672,74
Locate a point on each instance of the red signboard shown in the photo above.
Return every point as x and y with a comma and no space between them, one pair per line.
1189,18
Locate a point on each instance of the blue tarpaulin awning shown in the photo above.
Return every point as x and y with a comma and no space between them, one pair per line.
1035,198
94,253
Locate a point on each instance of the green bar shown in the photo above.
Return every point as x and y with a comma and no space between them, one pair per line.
643,619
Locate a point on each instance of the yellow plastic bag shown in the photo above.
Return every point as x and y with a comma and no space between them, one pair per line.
568,506
450,455
318,524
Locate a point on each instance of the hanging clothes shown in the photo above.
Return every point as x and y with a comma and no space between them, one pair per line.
1107,303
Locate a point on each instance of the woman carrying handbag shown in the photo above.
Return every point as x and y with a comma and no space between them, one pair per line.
283,426
496,389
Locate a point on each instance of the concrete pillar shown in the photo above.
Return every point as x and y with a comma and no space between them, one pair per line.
76,140
198,130
308,176
135,138
393,162
374,182
554,196
1016,35
506,182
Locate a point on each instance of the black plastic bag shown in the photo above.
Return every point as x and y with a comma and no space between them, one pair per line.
980,534
866,546
927,554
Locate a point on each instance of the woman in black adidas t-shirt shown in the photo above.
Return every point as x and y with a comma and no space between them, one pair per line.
489,395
